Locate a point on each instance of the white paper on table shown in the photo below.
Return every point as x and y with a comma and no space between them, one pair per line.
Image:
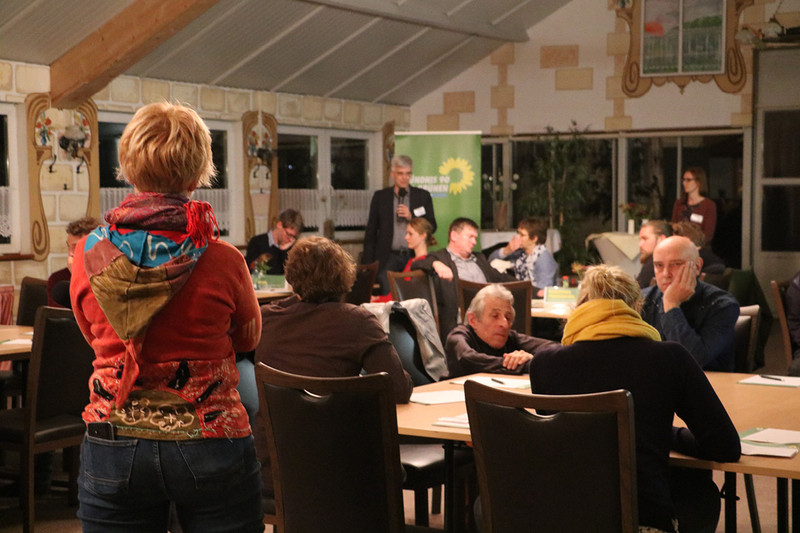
436,397
22,342
460,421
772,451
773,381
498,382
775,436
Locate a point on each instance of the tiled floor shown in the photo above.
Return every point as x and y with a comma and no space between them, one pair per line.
54,516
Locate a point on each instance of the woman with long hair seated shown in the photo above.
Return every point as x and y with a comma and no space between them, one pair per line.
607,346
165,305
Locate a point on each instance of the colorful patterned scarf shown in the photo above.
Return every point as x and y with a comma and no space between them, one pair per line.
598,320
140,261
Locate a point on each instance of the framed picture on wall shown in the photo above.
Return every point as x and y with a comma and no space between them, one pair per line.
683,37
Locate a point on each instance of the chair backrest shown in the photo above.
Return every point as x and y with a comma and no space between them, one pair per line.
403,337
746,335
521,290
60,365
720,279
32,296
779,293
361,292
334,452
574,470
414,284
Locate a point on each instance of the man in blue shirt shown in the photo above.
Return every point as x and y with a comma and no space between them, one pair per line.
529,256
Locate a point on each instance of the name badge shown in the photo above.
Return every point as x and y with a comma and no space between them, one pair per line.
420,212
696,218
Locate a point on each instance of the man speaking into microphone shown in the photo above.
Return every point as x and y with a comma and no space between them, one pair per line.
389,212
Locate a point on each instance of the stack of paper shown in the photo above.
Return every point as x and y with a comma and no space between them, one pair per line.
771,442
773,381
460,421
436,397
497,381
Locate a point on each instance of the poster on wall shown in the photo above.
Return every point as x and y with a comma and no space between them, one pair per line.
448,166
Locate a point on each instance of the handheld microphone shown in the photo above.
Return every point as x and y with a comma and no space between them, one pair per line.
402,194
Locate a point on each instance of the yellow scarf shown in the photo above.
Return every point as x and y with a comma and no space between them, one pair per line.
598,320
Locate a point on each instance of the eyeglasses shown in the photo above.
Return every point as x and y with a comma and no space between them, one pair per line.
687,179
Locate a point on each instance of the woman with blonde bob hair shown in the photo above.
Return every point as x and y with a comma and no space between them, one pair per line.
607,346
165,305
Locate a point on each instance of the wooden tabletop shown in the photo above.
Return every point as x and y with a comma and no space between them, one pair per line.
541,309
13,352
749,406
267,295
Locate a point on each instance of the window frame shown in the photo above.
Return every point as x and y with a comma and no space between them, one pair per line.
16,165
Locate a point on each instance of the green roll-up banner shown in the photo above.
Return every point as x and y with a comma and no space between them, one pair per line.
448,166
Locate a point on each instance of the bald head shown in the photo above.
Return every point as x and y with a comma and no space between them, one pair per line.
669,257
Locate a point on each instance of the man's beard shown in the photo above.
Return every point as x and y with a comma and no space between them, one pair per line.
644,256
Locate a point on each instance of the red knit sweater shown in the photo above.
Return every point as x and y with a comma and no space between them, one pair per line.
187,381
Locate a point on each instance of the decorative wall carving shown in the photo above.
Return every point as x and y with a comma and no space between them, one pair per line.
42,142
260,134
731,81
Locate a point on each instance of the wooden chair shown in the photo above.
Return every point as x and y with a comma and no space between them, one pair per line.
414,284
746,335
334,454
779,293
574,470
521,290
361,292
57,392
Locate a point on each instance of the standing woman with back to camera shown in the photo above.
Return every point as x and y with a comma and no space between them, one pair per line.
165,306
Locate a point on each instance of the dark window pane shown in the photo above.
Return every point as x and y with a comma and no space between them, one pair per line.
219,154
781,137
651,174
348,163
3,151
297,161
780,221
108,145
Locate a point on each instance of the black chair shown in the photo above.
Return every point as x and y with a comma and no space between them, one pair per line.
521,290
414,284
361,292
57,392
32,296
574,470
335,457
423,463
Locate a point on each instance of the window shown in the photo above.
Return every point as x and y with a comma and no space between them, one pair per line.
9,176
654,168
780,230
325,175
113,190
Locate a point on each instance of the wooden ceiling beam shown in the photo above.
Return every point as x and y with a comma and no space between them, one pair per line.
136,31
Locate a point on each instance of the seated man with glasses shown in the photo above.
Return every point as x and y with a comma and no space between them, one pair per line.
699,316
530,258
273,247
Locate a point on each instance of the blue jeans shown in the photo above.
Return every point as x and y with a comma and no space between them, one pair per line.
127,485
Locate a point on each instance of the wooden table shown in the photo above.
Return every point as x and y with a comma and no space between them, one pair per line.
540,309
268,295
749,406
14,352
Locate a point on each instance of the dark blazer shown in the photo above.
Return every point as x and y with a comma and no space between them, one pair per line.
447,291
380,225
